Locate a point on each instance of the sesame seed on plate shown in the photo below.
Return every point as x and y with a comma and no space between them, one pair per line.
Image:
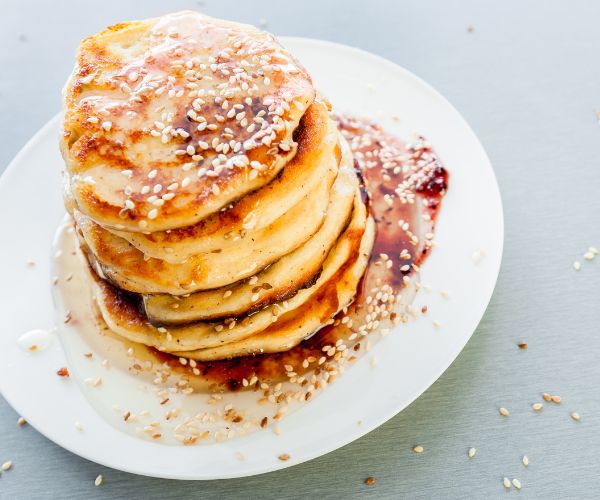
99,480
504,412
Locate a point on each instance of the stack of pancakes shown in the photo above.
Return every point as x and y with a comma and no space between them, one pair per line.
211,191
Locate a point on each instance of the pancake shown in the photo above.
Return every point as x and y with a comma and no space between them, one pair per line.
315,163
130,269
170,119
124,316
278,282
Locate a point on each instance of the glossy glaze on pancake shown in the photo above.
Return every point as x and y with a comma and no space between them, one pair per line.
124,313
279,281
315,164
170,119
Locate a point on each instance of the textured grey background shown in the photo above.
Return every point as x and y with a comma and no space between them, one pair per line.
527,78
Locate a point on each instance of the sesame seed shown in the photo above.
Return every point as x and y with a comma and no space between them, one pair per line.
506,483
556,399
577,265
537,406
575,416
525,460
21,421
99,480
504,412
418,449
152,213
370,481
477,256
6,465
516,483
78,425
283,457
472,452
106,125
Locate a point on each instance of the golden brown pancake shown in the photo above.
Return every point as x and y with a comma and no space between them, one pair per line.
168,120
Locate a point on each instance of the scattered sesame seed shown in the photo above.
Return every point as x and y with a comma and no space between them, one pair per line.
523,346
283,457
504,412
537,406
575,416
472,452
370,481
99,480
7,465
556,399
21,421
477,256
516,483
78,425
525,460
577,265
418,449
506,483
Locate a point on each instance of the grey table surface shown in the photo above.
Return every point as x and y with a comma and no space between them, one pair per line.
526,77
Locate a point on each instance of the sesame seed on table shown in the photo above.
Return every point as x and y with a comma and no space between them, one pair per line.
521,75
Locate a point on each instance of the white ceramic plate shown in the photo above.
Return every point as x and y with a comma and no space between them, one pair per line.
409,361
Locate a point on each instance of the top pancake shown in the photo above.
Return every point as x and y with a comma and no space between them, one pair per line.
170,119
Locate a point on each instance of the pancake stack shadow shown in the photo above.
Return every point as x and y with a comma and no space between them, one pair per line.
212,193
